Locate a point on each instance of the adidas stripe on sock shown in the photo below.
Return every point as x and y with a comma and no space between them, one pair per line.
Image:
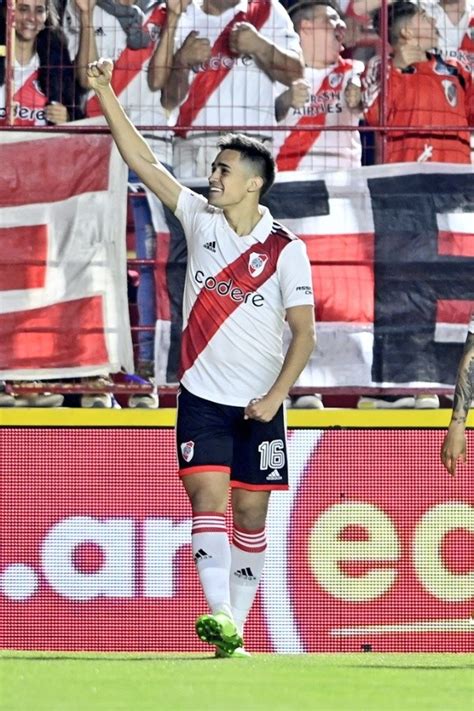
247,560
211,553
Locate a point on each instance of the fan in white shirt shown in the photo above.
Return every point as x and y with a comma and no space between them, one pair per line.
227,55
329,95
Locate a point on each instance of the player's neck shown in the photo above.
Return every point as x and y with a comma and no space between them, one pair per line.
242,221
217,7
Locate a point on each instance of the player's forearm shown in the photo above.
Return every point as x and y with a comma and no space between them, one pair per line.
133,148
87,52
162,60
280,65
297,356
464,389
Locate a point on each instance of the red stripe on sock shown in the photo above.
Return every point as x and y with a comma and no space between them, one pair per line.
249,541
246,532
209,522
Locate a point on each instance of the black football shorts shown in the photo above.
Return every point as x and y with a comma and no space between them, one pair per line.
214,437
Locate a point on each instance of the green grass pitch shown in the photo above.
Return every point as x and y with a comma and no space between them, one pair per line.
36,681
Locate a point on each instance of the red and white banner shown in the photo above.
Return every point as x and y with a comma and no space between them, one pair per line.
372,547
63,289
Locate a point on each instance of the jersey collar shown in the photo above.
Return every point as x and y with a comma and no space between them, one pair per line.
264,226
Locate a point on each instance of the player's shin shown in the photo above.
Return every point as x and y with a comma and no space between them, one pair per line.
211,553
247,560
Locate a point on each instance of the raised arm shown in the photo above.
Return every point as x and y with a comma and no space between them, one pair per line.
279,64
454,444
134,149
87,51
161,62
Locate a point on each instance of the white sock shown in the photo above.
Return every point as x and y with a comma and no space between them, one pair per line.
211,553
247,559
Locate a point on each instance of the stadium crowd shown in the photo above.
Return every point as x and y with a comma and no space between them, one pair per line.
290,74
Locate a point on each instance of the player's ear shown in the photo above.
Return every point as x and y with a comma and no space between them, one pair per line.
255,184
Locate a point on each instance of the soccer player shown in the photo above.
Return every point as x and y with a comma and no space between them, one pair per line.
454,444
245,275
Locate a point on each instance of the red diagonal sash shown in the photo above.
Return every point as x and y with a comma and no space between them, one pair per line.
129,63
298,142
206,82
211,309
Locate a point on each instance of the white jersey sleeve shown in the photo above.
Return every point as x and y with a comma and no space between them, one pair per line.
189,206
294,274
471,324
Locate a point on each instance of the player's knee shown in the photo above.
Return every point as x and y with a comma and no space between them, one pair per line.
207,500
248,514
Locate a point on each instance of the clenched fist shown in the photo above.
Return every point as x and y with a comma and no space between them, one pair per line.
300,93
243,39
99,73
194,50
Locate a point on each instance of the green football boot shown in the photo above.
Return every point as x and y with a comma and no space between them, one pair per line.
238,653
220,631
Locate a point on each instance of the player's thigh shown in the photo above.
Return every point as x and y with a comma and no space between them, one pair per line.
207,491
204,435
260,455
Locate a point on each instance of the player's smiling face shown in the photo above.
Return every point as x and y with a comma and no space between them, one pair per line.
229,179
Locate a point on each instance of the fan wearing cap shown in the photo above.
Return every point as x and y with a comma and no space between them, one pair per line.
329,95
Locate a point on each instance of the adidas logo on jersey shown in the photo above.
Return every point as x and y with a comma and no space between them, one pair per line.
211,246
245,574
274,476
201,555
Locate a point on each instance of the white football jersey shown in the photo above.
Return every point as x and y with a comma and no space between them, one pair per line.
450,36
236,293
29,100
471,324
142,105
330,149
245,96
